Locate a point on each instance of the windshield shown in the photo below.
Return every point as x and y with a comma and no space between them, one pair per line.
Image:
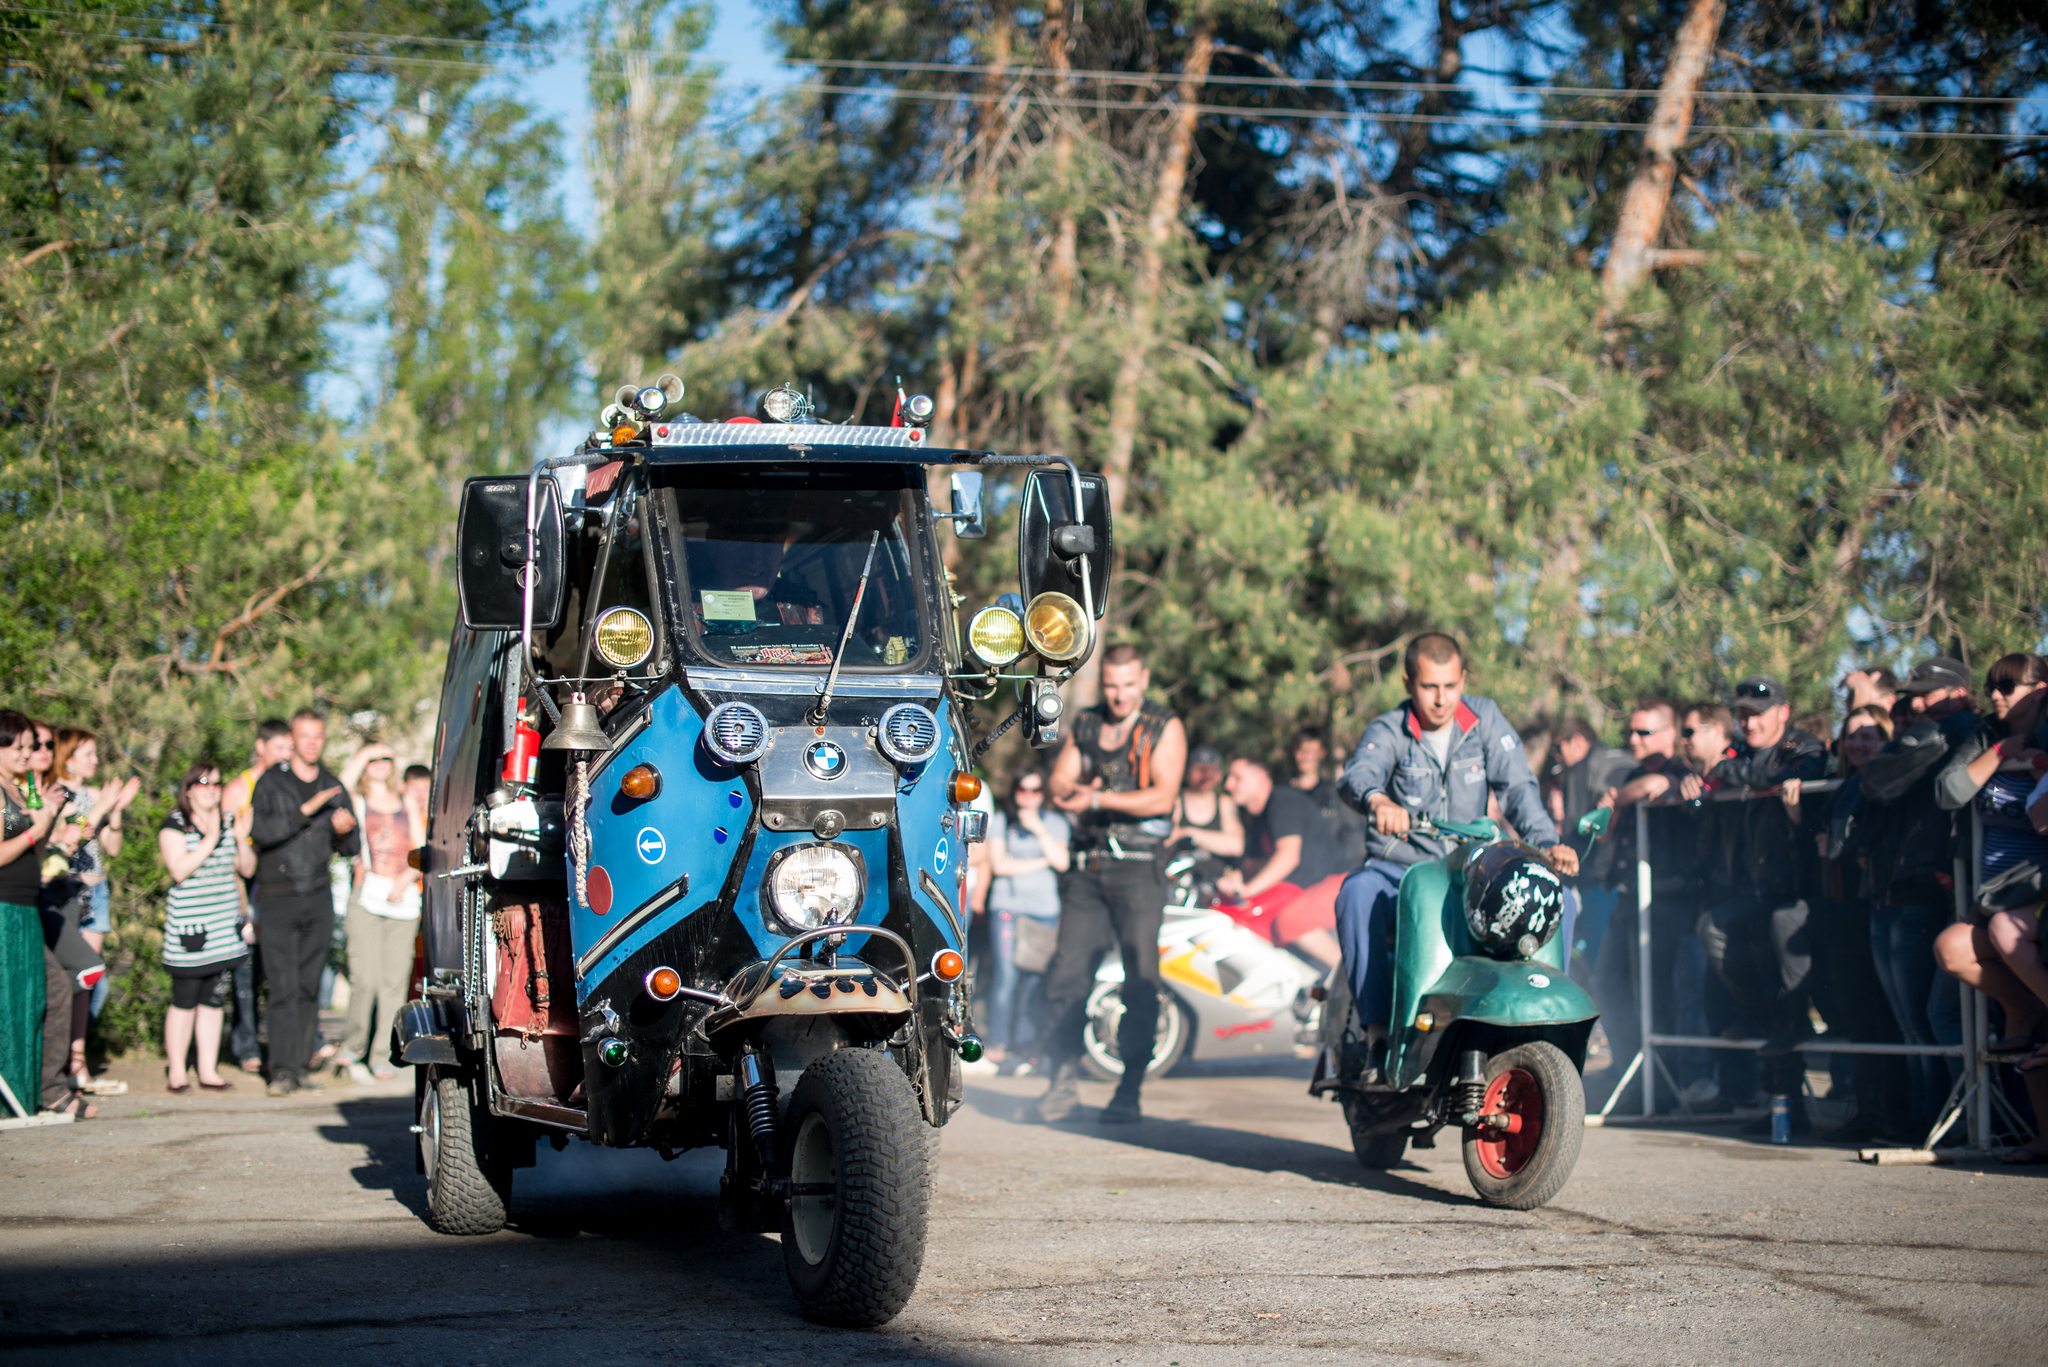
772,560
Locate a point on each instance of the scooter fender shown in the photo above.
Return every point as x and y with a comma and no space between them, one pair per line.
1516,994
1430,940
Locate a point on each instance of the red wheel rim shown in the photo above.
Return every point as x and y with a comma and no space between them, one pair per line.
1513,1093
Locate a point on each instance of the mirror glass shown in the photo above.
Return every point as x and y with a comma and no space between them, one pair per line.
490,530
966,491
1049,506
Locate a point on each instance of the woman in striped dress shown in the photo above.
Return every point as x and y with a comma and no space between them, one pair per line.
208,857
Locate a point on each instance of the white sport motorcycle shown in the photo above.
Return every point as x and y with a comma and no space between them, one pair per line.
1225,992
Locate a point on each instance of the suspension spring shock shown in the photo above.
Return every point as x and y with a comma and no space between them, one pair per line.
758,1097
1468,1094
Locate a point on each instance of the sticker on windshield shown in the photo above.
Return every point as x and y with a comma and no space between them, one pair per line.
783,655
728,605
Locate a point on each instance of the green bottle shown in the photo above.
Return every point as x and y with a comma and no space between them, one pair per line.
31,796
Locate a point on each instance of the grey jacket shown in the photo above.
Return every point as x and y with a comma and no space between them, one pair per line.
1485,758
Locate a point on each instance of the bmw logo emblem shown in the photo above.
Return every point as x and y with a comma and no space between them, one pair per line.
824,759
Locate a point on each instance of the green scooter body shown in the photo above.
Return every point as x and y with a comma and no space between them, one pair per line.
1437,969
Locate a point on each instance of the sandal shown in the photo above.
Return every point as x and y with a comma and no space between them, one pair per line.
178,1089
222,1086
75,1106
2036,1061
2025,1155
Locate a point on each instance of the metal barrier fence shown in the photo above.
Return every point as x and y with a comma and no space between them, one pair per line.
1973,1095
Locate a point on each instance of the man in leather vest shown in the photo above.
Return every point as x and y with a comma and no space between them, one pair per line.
1117,778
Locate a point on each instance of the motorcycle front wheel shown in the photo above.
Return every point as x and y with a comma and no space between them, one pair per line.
1099,1053
1524,1157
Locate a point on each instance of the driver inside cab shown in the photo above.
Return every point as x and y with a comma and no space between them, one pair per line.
1442,755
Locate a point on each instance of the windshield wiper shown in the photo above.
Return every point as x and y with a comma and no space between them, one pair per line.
839,656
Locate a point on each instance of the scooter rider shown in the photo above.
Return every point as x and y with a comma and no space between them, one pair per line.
1441,754
1118,778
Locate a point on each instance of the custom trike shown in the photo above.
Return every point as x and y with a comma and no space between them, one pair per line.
1487,1034
700,819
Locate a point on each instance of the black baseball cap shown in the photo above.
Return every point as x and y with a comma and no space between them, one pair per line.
1759,691
1205,754
1943,671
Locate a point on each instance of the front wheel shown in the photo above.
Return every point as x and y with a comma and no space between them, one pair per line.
1533,1122
468,1190
853,1234
1099,1053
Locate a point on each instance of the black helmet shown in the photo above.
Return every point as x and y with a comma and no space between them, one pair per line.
1514,901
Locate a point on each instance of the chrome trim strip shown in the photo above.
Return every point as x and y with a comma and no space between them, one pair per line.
807,685
632,922
544,1113
938,894
627,735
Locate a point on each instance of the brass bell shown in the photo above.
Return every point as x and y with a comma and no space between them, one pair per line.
578,728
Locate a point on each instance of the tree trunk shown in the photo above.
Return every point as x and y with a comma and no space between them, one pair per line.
1059,403
1649,192
1149,280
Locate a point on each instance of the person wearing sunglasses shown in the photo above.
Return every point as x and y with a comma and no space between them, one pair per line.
1756,939
1998,952
35,1039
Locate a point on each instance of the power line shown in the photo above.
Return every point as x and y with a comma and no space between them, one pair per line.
1500,119
1339,84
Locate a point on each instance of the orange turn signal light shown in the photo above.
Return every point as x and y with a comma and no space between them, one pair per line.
948,965
663,983
624,433
416,860
966,787
641,782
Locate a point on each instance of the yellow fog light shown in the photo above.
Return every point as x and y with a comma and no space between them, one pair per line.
624,638
996,636
1056,627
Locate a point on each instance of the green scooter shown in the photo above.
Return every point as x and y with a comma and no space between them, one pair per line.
1487,1032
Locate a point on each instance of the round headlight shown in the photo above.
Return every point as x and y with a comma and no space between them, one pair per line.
1056,627
811,886
624,638
650,400
996,636
736,732
782,403
919,409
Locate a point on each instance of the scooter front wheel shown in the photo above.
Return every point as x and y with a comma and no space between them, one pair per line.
1523,1150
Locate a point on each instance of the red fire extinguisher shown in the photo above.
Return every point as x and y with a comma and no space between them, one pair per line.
524,755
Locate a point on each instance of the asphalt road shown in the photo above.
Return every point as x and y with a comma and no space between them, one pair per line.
1231,1227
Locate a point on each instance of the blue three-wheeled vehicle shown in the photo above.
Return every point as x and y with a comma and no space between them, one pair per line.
700,825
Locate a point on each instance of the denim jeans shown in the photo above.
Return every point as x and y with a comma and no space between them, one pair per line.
1902,943
1007,1022
1365,930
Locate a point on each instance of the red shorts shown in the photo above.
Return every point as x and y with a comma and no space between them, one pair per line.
1286,912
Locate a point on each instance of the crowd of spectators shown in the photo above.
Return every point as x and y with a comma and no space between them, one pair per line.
260,866
1785,910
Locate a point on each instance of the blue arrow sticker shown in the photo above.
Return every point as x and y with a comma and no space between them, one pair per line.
940,855
650,845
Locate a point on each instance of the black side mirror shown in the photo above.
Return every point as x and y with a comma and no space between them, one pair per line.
491,543
1053,539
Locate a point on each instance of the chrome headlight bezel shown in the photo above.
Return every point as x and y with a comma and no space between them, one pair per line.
996,621
614,619
782,896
